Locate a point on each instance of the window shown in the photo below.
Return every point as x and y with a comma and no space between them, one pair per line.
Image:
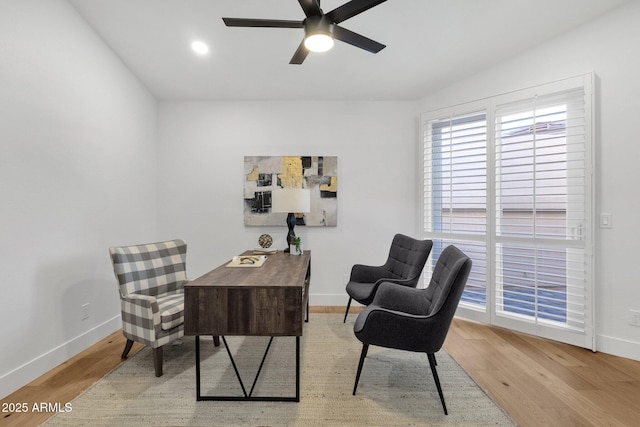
509,182
455,192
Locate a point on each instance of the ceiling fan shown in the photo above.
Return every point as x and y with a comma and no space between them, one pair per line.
320,28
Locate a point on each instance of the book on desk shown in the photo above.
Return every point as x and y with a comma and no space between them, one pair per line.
248,261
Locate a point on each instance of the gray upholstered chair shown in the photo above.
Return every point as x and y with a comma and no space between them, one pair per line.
404,265
415,319
151,279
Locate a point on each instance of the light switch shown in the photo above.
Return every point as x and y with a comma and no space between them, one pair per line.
606,220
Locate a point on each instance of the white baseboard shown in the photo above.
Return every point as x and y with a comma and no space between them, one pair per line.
618,347
31,370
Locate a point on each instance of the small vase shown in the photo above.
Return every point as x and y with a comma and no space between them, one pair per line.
295,249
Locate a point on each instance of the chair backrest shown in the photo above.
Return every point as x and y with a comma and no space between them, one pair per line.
445,289
407,258
150,269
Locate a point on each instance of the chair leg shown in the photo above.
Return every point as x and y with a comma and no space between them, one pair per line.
347,311
157,361
363,354
127,348
432,363
216,340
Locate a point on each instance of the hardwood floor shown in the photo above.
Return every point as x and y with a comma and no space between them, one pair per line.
536,381
66,381
541,382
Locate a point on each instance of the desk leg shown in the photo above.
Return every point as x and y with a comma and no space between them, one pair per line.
198,397
297,369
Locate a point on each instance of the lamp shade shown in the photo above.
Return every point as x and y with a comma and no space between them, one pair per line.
291,200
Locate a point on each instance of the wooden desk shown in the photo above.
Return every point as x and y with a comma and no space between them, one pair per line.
269,301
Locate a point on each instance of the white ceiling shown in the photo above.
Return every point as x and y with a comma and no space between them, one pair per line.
430,43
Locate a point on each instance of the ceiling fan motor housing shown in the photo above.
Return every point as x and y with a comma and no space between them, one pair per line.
318,25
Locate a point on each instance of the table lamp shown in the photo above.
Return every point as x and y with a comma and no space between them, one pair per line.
291,201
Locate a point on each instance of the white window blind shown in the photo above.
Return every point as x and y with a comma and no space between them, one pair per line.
458,187
542,209
455,192
510,182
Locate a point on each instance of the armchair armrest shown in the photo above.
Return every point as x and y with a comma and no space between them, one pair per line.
376,274
146,301
395,329
367,273
410,283
140,318
401,298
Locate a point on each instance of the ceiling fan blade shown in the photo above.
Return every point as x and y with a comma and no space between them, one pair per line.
310,7
356,39
273,23
351,9
300,55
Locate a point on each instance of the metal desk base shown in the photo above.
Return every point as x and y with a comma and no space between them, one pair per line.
248,396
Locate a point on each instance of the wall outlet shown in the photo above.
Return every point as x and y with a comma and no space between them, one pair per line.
85,311
634,317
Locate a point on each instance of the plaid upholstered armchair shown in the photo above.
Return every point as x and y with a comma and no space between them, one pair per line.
151,279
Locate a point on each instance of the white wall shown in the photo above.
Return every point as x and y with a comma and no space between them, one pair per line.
609,48
202,147
80,171
77,174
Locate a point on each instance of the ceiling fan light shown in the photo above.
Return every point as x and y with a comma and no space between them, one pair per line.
318,42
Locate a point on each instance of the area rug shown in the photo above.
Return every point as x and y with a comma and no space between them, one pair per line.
396,387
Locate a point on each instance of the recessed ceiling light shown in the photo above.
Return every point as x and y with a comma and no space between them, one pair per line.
200,48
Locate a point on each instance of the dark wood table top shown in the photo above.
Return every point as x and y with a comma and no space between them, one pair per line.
279,270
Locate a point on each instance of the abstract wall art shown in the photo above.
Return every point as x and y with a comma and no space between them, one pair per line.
263,174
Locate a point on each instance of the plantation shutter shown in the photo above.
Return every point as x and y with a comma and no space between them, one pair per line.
509,181
542,215
455,193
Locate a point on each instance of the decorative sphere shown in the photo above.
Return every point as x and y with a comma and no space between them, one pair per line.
265,241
